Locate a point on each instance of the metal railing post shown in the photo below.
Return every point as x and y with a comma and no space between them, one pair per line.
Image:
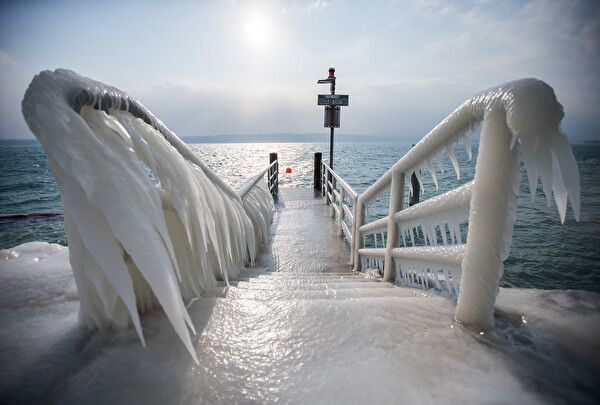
353,243
332,194
359,220
324,180
396,201
342,213
274,171
317,175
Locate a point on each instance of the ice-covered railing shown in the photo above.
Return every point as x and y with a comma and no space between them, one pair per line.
524,116
148,223
272,180
342,199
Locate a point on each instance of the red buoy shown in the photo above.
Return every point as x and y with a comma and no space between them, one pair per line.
288,170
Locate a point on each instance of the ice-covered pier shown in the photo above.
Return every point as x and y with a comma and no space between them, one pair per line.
165,296
299,327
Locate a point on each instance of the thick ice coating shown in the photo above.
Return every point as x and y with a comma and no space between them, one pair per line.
135,245
525,111
533,116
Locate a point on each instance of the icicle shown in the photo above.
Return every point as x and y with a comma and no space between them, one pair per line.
436,278
418,174
558,189
443,231
450,151
513,141
439,160
432,171
567,166
468,146
450,284
431,235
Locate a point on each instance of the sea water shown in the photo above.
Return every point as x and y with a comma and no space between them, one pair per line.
545,254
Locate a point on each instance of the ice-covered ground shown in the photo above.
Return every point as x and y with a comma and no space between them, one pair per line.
294,337
298,328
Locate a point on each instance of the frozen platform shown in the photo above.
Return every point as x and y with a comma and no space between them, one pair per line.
299,328
303,236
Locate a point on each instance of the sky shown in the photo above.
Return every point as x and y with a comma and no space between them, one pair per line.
240,67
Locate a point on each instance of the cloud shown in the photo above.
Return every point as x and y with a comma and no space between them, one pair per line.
404,63
5,59
318,4
211,109
289,7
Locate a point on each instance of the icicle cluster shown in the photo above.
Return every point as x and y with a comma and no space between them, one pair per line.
463,136
533,116
444,213
135,246
422,273
258,205
525,111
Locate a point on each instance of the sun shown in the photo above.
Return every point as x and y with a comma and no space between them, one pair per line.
257,30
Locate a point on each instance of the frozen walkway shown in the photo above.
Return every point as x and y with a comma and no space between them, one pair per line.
303,236
303,328
299,328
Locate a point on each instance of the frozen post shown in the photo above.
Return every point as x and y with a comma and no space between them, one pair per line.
396,201
357,239
274,170
492,216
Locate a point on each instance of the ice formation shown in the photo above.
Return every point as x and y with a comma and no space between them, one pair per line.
533,117
135,245
282,338
521,116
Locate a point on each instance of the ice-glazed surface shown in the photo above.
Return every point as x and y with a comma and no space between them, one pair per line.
300,328
136,245
525,111
533,117
314,332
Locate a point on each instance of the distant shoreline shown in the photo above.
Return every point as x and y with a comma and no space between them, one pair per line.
259,138
283,138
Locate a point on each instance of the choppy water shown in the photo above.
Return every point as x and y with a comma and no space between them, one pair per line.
545,254
27,187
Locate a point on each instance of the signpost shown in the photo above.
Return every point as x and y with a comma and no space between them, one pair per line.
333,99
332,103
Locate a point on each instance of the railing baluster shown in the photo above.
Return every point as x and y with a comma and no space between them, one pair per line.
342,213
494,191
396,201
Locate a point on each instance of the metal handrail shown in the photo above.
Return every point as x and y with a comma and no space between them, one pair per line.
339,207
271,181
